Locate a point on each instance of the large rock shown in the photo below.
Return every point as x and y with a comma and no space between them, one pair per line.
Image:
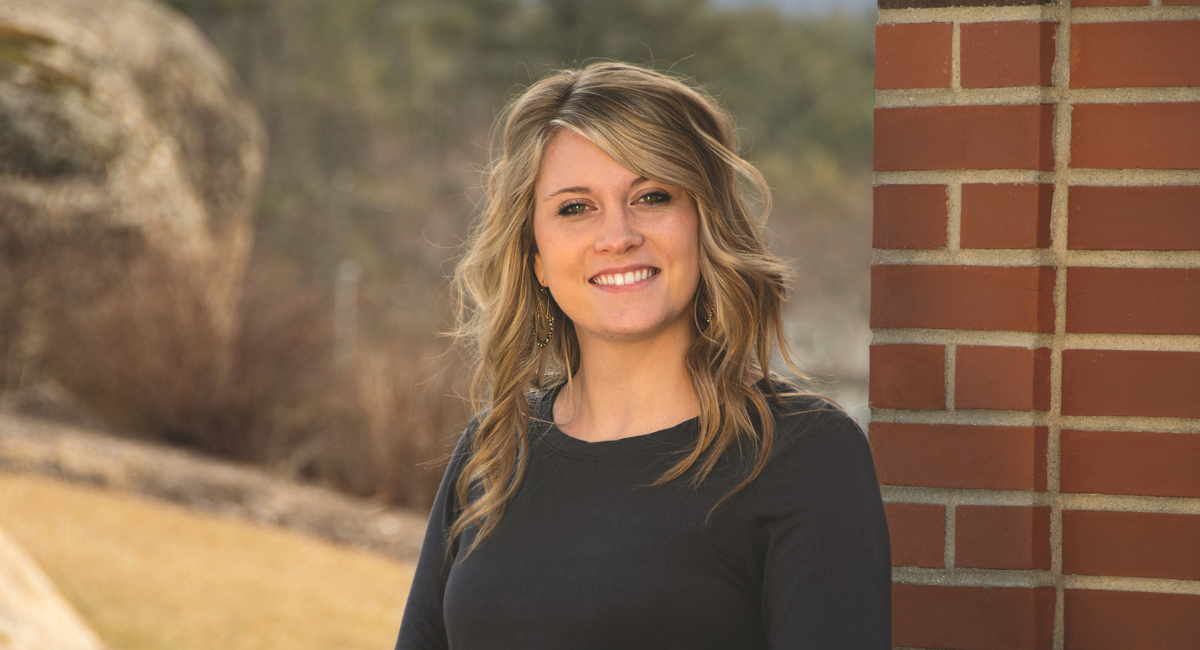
130,169
33,615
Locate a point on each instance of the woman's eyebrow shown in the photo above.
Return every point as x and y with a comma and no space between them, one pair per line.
581,189
578,189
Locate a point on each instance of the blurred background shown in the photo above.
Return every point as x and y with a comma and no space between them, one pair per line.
377,115
326,364
226,229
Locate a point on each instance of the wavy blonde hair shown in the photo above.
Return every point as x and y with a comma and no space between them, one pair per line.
665,129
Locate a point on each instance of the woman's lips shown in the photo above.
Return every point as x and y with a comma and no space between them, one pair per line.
626,278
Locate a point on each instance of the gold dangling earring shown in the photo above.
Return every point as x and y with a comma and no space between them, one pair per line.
543,320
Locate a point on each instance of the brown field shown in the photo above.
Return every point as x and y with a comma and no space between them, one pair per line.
154,576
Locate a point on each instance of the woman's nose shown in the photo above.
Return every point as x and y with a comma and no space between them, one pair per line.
618,232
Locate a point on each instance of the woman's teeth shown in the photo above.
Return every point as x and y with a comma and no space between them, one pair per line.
620,279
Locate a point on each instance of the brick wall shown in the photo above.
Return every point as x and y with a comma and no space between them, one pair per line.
1035,364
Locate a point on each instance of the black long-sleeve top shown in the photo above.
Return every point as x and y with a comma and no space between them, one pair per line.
588,557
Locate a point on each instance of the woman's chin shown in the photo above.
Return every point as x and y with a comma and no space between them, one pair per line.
639,330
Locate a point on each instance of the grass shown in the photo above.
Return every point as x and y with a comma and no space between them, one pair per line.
154,576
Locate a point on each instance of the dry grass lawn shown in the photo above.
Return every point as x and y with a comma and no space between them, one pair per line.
153,576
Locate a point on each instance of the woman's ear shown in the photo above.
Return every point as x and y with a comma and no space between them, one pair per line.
537,268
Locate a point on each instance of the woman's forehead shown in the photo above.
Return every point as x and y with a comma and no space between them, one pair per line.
571,159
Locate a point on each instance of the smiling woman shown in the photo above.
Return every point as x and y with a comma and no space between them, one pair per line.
638,476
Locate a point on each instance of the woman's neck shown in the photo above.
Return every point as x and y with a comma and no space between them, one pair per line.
627,389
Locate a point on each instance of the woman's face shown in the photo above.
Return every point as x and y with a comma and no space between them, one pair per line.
618,252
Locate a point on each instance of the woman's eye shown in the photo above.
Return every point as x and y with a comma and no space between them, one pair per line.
572,208
655,198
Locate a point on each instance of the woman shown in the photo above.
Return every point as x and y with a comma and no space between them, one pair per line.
638,477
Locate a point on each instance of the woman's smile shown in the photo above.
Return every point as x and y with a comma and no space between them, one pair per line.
613,280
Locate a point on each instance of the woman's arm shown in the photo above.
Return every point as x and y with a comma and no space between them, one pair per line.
423,626
823,538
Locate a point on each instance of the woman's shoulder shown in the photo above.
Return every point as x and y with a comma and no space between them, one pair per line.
539,401
819,455
812,429
797,412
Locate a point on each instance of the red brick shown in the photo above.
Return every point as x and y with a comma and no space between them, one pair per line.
1148,54
1134,218
1018,298
1010,53
1004,378
1139,544
918,534
1109,3
908,377
1120,620
909,217
1135,136
1126,382
913,55
1002,537
997,618
1133,301
1130,462
1006,215
960,456
964,137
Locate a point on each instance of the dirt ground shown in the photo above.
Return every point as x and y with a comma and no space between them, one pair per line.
78,454
151,575
163,549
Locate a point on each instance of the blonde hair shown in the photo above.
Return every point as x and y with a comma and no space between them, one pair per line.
667,130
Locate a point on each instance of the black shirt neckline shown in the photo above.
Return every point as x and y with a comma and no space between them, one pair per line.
672,436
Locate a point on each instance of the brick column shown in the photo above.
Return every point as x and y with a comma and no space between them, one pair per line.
1035,363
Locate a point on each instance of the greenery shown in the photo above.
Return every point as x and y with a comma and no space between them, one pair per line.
379,112
401,93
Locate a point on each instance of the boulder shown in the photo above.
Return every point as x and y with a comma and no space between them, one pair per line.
130,170
33,615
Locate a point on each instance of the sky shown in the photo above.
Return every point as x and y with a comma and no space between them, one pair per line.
803,6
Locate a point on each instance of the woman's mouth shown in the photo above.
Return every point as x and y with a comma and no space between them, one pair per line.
621,279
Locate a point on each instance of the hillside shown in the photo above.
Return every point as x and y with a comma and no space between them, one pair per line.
153,576
161,549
